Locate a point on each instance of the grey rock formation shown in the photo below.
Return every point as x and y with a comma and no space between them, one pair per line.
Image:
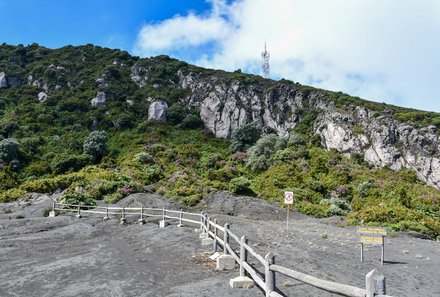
99,100
157,112
102,83
225,107
382,140
129,102
8,81
42,96
139,74
3,80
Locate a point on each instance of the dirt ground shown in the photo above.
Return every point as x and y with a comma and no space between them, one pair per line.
65,256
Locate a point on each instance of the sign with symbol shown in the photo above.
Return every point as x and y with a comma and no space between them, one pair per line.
288,197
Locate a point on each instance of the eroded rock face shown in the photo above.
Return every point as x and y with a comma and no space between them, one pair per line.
99,100
225,107
8,81
139,74
157,112
3,80
381,140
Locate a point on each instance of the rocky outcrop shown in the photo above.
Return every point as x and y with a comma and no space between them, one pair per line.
139,74
101,82
157,112
8,81
382,140
225,107
99,100
42,96
3,80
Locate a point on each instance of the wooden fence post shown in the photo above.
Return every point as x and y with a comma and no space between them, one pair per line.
208,227
106,215
180,218
163,214
370,284
381,288
215,236
202,223
269,276
243,255
78,215
226,239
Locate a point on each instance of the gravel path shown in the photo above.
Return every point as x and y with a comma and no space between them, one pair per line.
65,256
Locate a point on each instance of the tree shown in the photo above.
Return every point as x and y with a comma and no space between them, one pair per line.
8,150
244,137
95,144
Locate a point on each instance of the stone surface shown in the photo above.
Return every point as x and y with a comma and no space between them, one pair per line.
225,262
42,96
203,235
157,112
382,140
139,74
3,80
99,100
241,282
101,82
207,241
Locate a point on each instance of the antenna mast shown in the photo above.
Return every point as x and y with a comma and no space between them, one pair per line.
265,62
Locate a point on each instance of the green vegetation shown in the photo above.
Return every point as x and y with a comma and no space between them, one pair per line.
109,152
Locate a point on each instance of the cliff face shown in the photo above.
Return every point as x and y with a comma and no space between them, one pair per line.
378,137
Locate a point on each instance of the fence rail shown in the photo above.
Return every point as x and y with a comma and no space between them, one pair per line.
212,229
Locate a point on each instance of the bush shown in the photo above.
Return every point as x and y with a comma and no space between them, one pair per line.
11,195
66,163
338,207
192,121
95,144
113,198
241,186
143,158
176,114
244,137
296,139
261,153
8,150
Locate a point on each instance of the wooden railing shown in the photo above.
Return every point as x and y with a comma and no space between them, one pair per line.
264,279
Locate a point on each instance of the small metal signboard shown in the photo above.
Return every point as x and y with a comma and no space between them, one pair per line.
288,197
288,200
372,236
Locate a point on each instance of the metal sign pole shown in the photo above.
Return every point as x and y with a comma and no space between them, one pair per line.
288,209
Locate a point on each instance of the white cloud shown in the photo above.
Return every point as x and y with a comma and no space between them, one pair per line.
386,51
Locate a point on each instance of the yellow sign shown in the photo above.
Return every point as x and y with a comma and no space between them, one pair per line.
371,239
373,230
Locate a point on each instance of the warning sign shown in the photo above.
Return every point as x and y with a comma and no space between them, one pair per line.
288,197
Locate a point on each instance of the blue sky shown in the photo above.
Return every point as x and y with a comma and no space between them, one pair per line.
385,51
110,23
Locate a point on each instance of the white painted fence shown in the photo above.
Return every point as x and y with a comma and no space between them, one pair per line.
212,229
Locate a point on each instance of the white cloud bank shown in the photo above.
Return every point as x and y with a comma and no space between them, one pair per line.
386,51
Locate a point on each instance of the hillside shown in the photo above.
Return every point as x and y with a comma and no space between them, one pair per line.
75,120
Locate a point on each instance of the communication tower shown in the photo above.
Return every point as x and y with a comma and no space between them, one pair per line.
265,62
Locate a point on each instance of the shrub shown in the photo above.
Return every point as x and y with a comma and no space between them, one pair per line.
192,121
8,150
296,139
65,163
143,158
11,195
261,153
113,198
316,210
77,198
338,207
176,114
95,144
241,186
244,137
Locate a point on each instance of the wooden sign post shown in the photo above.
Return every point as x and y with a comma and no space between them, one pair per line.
373,236
288,200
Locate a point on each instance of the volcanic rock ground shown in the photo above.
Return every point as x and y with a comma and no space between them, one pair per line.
65,256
